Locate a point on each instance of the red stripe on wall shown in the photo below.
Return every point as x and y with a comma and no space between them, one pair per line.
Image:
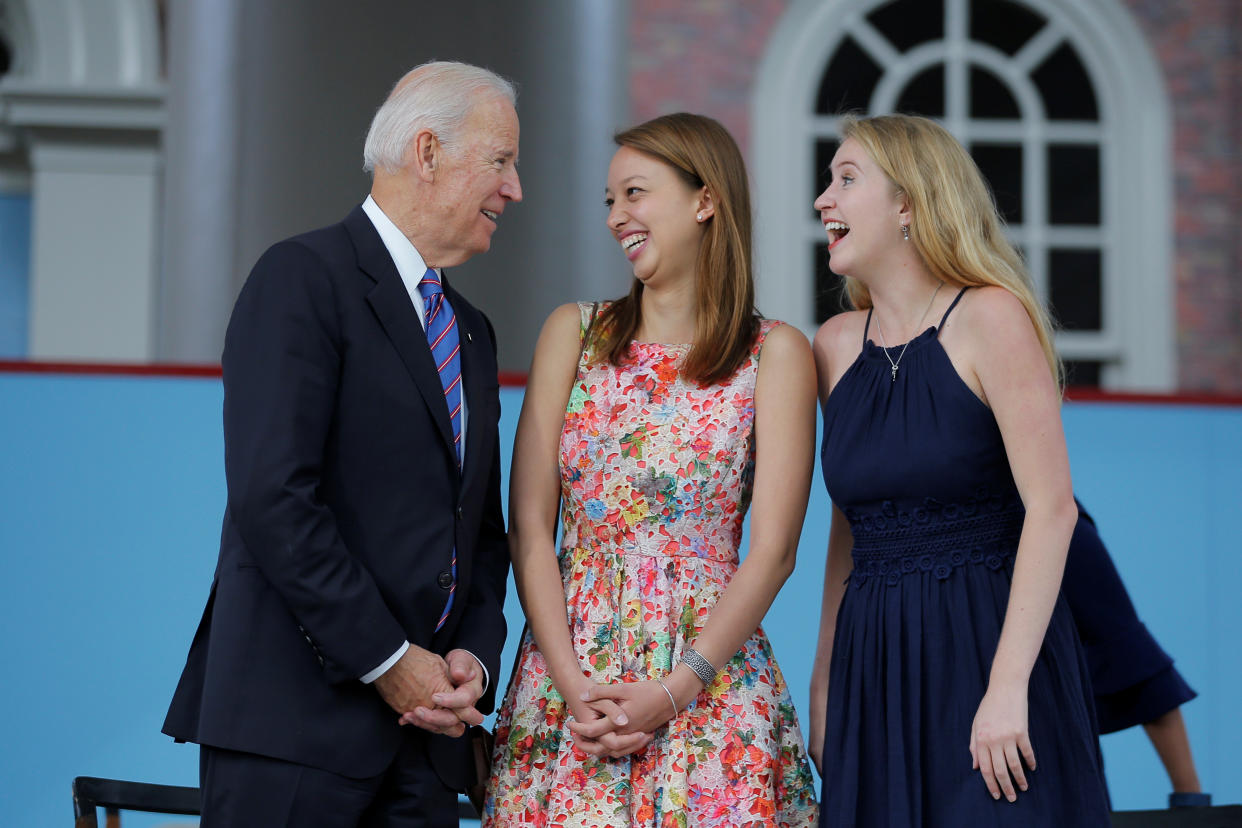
118,369
1178,398
513,379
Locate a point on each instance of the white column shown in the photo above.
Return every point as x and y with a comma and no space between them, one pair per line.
93,253
600,109
200,188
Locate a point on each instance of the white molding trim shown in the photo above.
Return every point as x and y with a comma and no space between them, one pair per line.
51,154
43,105
1135,176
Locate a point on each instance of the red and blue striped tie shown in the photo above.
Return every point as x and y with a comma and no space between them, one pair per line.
441,325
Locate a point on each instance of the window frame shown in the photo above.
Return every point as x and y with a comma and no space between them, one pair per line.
1133,133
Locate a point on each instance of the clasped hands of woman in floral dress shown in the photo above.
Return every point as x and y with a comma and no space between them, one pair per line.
617,719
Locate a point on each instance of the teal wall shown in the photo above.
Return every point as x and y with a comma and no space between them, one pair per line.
113,489
14,274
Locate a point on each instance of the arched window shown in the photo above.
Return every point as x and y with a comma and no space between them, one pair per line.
1061,106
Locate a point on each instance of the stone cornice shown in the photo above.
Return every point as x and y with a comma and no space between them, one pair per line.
30,104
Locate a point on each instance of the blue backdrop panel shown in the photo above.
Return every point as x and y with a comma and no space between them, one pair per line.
1163,484
113,490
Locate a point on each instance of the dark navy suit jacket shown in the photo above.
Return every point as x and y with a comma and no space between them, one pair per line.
345,504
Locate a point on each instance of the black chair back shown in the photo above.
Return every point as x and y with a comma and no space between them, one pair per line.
115,795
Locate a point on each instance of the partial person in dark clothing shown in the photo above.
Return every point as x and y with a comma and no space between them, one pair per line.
1134,679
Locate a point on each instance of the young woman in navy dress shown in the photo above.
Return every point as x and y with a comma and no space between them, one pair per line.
949,686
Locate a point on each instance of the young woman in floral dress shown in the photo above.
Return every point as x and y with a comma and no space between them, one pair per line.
646,693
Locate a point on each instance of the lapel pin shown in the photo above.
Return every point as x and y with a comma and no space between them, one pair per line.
469,338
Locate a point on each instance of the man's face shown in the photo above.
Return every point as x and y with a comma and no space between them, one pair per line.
474,181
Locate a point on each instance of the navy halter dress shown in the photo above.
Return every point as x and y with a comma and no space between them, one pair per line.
917,465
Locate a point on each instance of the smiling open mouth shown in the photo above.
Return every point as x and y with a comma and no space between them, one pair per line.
633,241
836,231
490,214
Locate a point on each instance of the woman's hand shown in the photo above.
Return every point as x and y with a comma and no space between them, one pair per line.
643,705
600,726
999,740
646,704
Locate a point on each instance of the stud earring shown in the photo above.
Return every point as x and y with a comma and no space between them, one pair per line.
905,232
699,217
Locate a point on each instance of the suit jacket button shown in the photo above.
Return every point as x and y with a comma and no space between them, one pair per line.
445,580
459,513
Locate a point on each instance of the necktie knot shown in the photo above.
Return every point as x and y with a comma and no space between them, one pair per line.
432,293
429,287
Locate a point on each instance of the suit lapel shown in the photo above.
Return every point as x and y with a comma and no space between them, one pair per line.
391,303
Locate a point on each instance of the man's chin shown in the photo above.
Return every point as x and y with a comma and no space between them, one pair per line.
482,245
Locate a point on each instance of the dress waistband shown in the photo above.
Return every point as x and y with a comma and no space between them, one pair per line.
688,549
934,537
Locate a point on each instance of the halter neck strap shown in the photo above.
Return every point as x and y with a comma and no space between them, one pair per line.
867,327
952,305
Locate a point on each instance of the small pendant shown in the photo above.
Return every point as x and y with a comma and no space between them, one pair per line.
894,373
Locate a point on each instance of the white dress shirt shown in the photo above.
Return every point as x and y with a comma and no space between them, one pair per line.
410,267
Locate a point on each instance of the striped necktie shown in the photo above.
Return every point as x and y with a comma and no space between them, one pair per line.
441,325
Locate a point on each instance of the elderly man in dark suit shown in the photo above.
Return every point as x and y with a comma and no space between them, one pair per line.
354,625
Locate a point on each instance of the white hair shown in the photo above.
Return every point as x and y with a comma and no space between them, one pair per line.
437,96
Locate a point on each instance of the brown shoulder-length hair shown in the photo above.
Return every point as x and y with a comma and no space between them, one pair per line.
704,154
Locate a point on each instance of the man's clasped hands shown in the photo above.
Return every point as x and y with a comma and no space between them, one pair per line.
438,694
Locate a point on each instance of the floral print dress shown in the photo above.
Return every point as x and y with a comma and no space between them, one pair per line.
656,477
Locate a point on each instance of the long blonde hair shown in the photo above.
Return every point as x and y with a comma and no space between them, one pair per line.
703,154
954,223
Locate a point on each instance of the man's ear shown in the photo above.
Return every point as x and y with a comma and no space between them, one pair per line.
424,154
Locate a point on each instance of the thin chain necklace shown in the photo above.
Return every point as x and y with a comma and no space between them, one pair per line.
917,325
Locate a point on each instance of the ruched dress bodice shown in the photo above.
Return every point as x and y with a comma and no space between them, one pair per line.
935,491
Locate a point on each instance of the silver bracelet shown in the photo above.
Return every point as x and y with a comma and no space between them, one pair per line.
671,700
701,666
